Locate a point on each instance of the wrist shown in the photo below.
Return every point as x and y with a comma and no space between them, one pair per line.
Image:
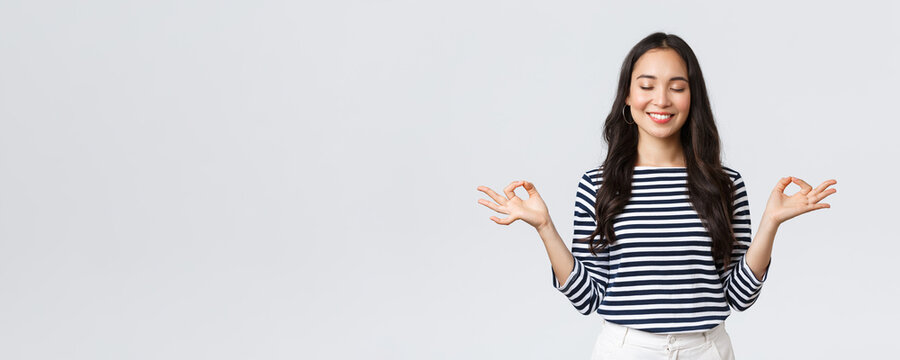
769,223
543,227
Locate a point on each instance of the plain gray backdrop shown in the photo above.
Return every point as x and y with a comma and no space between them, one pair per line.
297,180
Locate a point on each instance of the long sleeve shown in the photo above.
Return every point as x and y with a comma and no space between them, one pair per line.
586,284
742,288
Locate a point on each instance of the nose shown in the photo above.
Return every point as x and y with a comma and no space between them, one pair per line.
661,99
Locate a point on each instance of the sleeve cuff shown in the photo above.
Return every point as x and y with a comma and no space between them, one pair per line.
747,273
566,287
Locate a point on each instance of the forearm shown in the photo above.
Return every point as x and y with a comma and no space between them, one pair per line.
560,257
760,251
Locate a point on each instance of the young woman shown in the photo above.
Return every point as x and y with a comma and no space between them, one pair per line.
662,247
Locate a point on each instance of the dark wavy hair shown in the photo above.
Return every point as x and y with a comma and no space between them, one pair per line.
710,189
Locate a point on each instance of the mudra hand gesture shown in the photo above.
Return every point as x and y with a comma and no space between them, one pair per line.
532,210
782,207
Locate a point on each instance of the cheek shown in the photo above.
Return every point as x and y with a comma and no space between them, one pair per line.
640,99
683,104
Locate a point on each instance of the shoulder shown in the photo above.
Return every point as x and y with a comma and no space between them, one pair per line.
739,186
732,173
591,178
594,175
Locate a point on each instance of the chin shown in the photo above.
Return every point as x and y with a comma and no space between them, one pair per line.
658,132
666,135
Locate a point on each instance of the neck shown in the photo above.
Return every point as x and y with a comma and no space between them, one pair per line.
653,151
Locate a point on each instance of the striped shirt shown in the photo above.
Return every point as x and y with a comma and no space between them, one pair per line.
660,275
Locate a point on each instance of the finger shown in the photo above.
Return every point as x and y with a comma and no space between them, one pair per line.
804,187
806,209
499,199
507,221
510,189
824,185
814,207
825,194
529,187
782,184
492,206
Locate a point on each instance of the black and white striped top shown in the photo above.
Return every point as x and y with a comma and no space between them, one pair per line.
660,275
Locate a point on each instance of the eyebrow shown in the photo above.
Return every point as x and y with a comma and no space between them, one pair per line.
654,77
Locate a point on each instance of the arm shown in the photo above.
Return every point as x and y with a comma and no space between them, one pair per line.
759,255
579,275
742,283
779,209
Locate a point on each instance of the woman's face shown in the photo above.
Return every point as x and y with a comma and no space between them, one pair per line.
660,96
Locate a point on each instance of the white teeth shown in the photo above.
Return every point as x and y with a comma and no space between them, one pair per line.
660,117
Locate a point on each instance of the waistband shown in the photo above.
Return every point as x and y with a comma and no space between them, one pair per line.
620,334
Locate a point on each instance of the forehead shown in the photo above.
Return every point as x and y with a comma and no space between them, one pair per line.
661,63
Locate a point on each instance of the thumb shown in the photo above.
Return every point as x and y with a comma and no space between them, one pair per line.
529,187
782,184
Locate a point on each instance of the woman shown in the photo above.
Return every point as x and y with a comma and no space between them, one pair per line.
662,247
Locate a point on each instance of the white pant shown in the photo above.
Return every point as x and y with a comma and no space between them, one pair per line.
619,342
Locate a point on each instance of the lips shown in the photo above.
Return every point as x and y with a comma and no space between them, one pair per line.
660,118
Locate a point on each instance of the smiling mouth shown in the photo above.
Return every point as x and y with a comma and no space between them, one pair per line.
660,118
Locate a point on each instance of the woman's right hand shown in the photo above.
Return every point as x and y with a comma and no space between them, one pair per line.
532,210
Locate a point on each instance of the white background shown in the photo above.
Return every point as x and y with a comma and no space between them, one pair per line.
284,180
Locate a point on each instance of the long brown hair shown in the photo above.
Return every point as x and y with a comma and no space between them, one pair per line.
710,189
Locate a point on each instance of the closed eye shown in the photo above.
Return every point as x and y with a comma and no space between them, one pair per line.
650,88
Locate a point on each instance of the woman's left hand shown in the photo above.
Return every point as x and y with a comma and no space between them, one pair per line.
782,207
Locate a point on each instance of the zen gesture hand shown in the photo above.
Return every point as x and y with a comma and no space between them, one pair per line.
781,207
532,210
